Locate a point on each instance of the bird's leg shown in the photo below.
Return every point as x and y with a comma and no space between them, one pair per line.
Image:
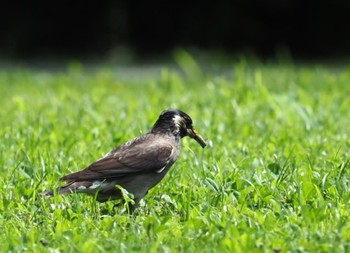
132,206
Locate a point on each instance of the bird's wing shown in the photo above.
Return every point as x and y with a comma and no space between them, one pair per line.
122,161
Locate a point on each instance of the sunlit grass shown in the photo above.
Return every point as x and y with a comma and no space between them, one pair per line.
275,176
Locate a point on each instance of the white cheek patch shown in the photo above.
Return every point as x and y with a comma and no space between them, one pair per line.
178,120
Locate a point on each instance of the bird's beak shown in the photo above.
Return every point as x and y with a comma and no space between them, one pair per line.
193,134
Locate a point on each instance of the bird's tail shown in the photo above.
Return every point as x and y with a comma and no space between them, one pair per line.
48,193
59,190
68,188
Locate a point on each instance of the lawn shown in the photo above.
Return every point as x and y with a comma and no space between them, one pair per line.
275,176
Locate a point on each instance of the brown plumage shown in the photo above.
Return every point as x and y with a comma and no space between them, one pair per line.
137,165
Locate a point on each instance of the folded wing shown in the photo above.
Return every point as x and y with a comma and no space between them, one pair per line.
123,161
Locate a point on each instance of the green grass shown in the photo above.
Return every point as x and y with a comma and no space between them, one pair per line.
275,177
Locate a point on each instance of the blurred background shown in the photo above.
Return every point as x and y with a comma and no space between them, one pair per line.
146,29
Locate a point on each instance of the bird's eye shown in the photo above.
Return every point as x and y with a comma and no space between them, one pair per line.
188,120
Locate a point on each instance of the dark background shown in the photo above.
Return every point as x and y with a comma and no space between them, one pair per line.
308,29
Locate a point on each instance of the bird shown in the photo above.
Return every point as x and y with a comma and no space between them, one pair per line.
137,165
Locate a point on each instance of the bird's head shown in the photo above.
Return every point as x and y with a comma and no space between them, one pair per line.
179,123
